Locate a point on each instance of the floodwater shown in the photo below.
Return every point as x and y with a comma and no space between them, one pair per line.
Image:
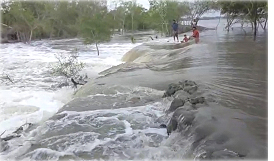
230,69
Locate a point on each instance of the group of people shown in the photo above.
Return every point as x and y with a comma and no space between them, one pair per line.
195,34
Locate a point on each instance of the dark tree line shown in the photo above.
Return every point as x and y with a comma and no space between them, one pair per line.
64,19
94,22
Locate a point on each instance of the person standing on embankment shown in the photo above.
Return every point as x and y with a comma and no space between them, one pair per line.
175,30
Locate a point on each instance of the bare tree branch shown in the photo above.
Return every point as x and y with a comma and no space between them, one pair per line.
2,133
7,77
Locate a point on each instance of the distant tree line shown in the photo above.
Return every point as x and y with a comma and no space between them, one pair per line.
93,21
64,19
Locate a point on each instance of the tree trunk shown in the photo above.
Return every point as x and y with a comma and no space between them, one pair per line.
30,36
59,30
218,22
124,26
24,37
21,36
51,33
162,31
132,23
265,23
261,25
17,34
97,48
227,21
255,20
167,29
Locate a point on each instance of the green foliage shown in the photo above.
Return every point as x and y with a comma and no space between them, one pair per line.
256,12
96,29
91,20
244,7
250,9
46,19
68,65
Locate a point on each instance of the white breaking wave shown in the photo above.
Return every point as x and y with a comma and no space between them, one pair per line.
30,98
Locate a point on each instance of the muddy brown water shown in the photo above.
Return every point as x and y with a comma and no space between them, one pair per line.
230,68
231,72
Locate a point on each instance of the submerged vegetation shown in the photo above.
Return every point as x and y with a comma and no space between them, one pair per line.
252,12
68,65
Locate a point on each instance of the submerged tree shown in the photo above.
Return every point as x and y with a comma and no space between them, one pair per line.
96,29
251,10
68,65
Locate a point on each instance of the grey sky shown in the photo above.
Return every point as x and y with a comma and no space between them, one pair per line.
145,4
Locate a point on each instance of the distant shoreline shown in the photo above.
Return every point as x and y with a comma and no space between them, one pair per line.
149,32
206,18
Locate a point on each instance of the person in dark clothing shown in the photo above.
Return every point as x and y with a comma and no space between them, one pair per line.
175,30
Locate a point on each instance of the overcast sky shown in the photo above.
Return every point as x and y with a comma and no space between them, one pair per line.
145,4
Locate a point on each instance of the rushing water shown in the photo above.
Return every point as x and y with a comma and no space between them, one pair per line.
230,69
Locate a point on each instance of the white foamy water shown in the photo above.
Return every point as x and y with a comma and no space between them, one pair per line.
31,97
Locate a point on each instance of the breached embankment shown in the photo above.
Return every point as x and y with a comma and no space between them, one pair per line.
118,115
143,60
193,114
